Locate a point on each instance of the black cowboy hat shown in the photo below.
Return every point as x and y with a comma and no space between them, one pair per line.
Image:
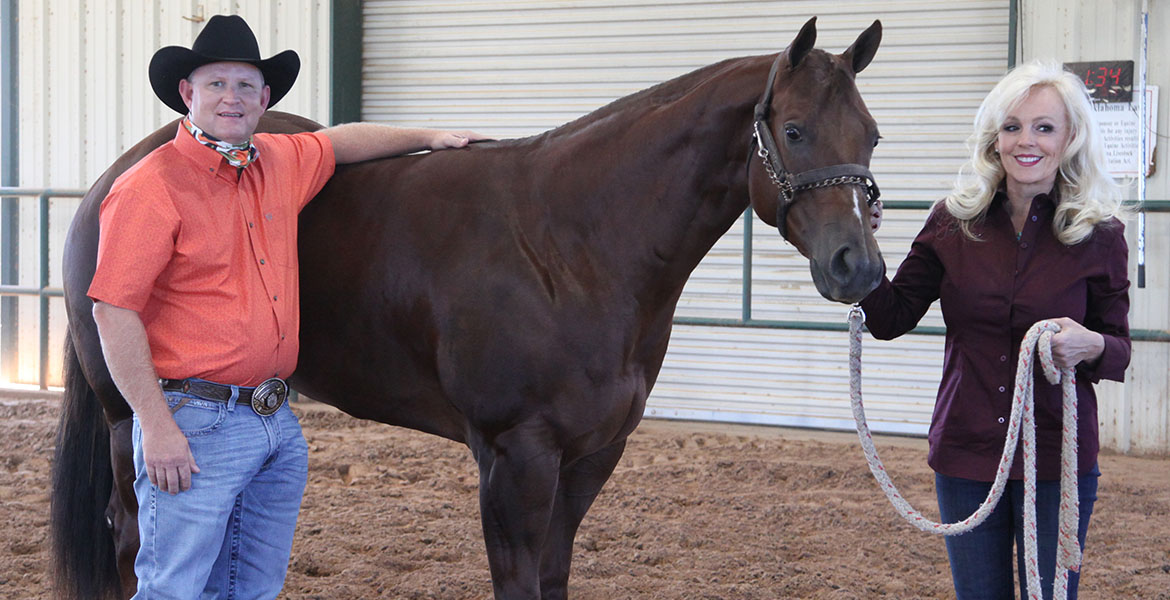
224,39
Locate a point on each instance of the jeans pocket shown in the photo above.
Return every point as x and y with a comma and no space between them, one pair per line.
197,416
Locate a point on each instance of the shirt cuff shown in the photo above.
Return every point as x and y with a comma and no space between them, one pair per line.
1111,364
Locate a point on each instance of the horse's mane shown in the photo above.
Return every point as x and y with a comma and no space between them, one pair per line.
651,97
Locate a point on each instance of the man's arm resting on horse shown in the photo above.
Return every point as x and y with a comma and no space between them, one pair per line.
169,462
355,142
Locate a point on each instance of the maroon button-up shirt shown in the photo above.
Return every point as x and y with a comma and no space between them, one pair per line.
991,292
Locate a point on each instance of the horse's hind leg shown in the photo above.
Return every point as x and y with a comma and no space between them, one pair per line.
518,472
579,485
122,512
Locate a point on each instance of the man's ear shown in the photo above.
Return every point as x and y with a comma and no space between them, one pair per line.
186,90
265,96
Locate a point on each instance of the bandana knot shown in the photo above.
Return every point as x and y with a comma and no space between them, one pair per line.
237,155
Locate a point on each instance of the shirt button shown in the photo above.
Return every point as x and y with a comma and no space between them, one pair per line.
261,261
1003,358
1024,245
1001,388
1034,217
274,298
1001,420
251,225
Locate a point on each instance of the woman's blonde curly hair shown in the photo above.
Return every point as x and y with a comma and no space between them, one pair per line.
1088,195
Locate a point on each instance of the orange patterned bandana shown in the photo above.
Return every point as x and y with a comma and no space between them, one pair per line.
237,155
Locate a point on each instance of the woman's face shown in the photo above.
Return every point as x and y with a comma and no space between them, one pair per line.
1032,141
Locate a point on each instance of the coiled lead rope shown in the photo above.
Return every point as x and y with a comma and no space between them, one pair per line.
1038,340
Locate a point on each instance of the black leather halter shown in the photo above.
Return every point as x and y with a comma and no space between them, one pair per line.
790,183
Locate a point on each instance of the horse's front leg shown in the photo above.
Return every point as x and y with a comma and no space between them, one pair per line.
579,485
518,471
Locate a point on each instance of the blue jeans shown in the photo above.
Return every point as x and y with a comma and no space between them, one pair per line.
981,560
230,535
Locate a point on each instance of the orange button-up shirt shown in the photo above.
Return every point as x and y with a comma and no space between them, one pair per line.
208,257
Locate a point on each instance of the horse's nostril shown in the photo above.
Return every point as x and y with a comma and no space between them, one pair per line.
840,266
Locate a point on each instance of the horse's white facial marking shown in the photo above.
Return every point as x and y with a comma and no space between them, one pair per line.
858,202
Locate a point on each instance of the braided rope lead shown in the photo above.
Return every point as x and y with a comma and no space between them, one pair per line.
1038,340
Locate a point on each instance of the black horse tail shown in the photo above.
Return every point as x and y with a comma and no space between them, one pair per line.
83,554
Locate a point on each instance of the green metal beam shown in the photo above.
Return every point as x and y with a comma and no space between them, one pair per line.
9,176
1013,29
1137,335
346,61
1153,206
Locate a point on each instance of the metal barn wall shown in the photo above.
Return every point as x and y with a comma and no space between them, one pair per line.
1135,416
85,98
512,68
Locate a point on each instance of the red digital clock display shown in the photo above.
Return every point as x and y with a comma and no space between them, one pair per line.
1107,81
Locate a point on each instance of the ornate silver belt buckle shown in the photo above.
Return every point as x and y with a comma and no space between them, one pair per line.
269,396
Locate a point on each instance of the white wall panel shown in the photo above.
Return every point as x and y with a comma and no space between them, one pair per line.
84,93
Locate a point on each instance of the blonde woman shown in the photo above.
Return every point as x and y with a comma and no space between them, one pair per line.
1029,233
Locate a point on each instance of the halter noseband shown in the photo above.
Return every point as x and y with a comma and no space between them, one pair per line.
790,183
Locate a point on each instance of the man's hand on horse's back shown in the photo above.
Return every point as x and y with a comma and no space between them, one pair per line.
456,139
356,142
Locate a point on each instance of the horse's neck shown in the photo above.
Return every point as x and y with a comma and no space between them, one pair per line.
668,175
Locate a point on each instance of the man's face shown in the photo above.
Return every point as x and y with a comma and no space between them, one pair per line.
226,99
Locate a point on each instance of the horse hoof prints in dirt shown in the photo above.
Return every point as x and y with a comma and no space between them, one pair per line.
416,270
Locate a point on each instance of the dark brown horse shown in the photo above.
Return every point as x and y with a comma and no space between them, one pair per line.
516,296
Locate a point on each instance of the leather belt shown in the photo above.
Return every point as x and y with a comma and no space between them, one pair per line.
265,398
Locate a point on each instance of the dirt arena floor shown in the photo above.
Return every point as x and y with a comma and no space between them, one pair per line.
694,511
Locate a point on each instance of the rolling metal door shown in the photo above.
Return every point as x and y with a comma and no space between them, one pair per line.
517,68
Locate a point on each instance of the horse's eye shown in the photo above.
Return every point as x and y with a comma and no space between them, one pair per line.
793,133
876,140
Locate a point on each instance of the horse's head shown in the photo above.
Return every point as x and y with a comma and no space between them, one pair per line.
815,138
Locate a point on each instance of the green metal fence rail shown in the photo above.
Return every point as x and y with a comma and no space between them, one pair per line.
44,292
1137,335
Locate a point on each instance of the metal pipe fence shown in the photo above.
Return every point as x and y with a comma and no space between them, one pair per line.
44,292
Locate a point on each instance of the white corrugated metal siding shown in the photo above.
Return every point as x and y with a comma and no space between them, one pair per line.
1135,416
84,93
85,99
511,68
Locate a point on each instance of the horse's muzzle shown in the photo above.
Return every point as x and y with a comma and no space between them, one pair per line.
848,274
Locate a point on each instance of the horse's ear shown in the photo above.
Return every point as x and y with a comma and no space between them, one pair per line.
800,47
861,52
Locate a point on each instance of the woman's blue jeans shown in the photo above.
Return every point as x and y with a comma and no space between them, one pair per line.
981,560
230,535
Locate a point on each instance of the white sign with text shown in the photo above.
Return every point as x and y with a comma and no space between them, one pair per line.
1120,129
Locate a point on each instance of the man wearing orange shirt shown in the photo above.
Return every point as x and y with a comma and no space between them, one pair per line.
196,302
